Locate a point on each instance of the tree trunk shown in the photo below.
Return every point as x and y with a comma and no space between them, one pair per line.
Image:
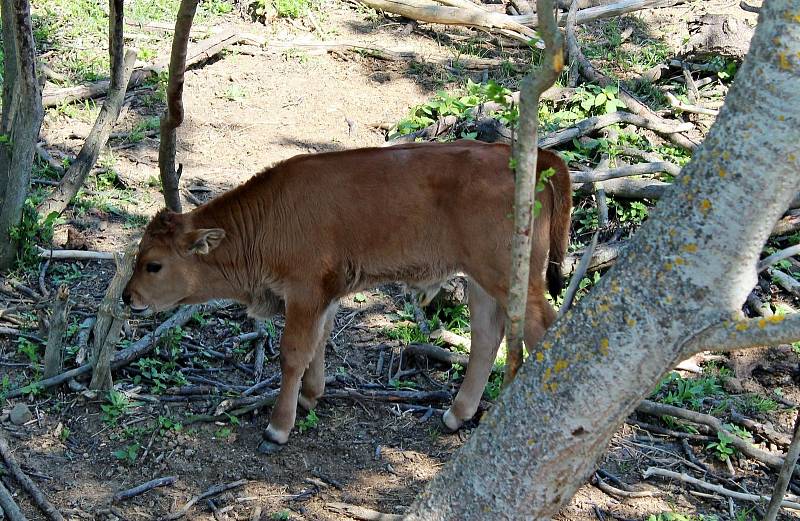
688,270
173,116
21,121
525,158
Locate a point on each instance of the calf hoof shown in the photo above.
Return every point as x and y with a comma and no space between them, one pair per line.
450,422
308,404
268,447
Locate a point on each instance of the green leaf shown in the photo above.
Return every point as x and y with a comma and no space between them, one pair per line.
360,298
600,99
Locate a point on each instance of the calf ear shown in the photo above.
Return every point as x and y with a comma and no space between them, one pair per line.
206,239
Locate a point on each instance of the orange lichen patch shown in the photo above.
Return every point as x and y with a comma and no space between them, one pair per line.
685,179
561,365
762,323
705,206
547,345
741,326
602,308
722,172
631,322
775,319
667,266
679,261
792,17
690,248
726,155
540,357
604,346
792,157
783,61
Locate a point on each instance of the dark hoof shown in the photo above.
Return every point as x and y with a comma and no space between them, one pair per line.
269,447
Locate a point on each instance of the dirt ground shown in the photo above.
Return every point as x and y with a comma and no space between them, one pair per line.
244,113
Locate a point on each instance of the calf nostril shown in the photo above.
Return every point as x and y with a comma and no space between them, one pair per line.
126,298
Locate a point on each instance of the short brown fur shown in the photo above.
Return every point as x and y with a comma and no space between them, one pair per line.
314,228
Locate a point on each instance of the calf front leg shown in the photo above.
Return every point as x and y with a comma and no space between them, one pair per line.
305,324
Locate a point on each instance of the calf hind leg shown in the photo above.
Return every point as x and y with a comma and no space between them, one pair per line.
487,320
314,377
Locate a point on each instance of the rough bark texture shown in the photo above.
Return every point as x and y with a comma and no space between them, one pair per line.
21,121
525,156
110,319
54,352
173,116
688,269
72,181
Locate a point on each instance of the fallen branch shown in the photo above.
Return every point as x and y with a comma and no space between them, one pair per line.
613,491
10,508
765,431
604,255
589,14
450,338
45,156
437,353
746,448
583,127
90,90
75,255
138,349
431,12
785,281
785,474
688,107
144,487
39,499
777,257
626,188
719,489
364,514
625,171
211,492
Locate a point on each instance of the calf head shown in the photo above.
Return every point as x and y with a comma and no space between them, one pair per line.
171,266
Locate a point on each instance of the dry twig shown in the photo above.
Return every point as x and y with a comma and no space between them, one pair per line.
39,499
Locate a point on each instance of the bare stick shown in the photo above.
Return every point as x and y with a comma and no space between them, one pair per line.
766,431
688,107
45,156
27,484
75,255
625,171
138,349
54,353
748,449
602,11
110,318
613,491
211,492
604,255
785,474
77,172
583,127
9,506
580,271
173,115
437,353
525,152
364,514
144,487
261,341
92,90
777,257
719,489
785,281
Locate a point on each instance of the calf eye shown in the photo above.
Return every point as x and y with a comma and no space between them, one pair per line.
153,267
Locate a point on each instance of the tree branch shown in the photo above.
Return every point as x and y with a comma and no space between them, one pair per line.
732,335
173,115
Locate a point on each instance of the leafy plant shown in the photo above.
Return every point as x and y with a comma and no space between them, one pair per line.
129,454
309,422
29,349
722,448
283,515
118,405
